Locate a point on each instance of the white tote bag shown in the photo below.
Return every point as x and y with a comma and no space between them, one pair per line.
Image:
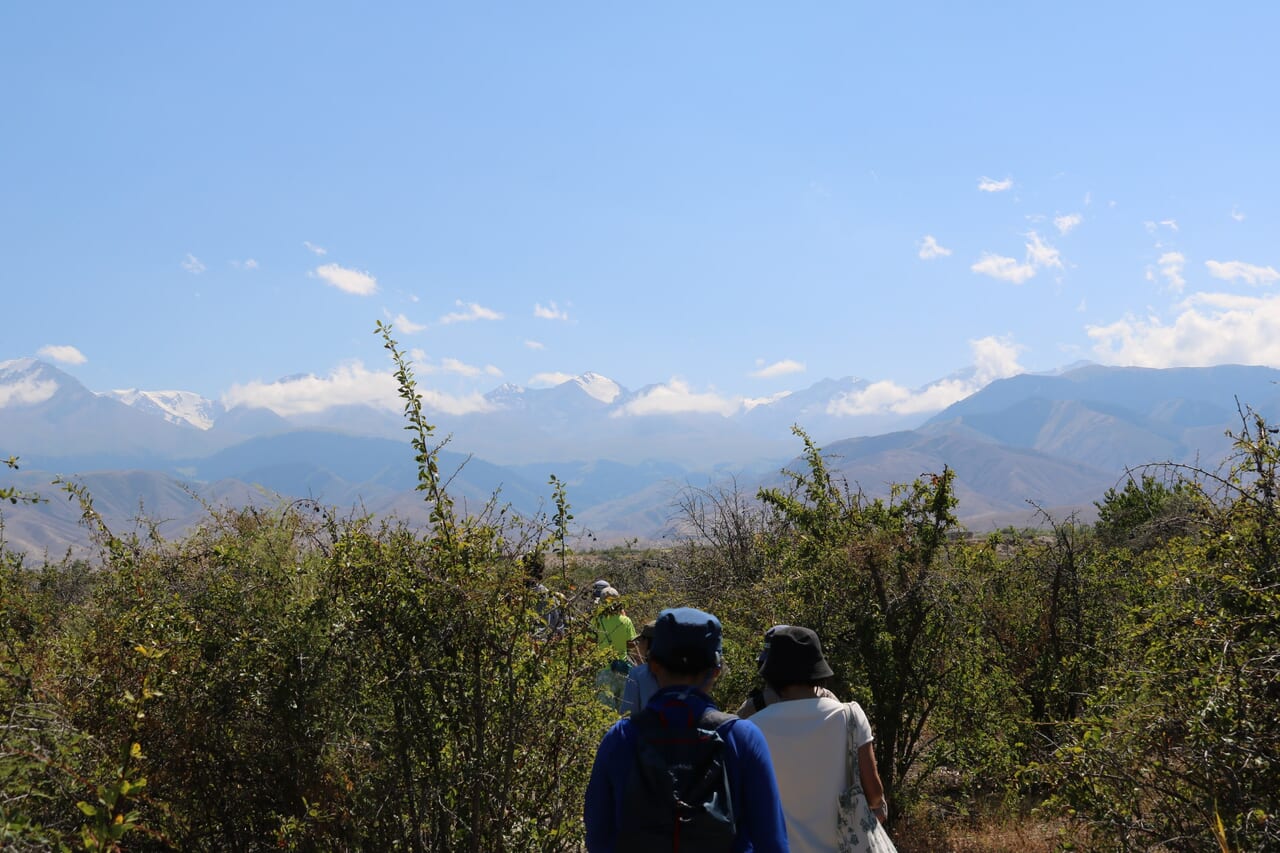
857,829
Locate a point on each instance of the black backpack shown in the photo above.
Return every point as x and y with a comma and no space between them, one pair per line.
677,796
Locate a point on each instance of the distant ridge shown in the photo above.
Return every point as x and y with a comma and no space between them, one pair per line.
1056,441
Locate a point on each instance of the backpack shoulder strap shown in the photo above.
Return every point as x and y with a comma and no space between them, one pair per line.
714,719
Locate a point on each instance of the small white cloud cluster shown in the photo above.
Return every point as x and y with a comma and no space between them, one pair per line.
62,353
550,312
1040,255
993,358
470,311
929,249
347,280
1208,329
349,384
990,185
27,391
1248,273
778,368
676,397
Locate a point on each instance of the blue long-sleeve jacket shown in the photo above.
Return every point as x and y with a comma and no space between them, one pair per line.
761,825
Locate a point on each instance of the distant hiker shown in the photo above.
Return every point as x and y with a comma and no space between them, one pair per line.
598,588
681,775
766,695
615,632
641,683
823,753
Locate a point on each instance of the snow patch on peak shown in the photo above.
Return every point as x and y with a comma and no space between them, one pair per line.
177,407
600,387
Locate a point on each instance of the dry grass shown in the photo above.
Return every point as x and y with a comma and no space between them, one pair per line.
1005,835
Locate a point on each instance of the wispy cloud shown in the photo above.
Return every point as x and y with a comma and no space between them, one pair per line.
778,368
929,249
471,311
677,397
1040,255
1171,224
1248,273
314,249
749,403
350,384
1152,227
993,358
27,391
1237,215
62,353
453,365
550,312
1067,223
1003,268
990,185
1207,329
1171,264
348,280
193,265
247,264
535,345
549,379
404,324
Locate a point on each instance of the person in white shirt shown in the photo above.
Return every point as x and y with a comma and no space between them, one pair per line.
807,731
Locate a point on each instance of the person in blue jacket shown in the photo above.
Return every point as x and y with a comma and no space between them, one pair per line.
685,657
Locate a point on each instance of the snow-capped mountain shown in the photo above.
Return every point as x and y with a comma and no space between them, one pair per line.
177,407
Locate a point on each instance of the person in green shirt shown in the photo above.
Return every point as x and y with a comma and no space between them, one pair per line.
615,632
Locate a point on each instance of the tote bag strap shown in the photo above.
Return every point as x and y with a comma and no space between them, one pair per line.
851,751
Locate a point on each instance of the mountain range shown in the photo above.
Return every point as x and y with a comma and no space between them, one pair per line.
1055,440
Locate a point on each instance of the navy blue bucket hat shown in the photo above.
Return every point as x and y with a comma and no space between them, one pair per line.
686,640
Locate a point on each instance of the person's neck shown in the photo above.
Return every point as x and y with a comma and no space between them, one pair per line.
793,692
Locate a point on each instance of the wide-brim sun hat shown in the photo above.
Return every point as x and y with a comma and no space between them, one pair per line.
794,656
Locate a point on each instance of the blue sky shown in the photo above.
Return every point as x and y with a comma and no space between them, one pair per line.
728,199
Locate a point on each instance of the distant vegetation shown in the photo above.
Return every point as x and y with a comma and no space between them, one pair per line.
289,679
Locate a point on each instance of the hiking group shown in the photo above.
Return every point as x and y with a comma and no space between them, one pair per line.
675,773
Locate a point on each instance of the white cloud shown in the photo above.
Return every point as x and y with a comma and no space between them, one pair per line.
552,312
1170,223
63,353
350,384
417,355
247,264
990,185
28,391
1039,255
993,358
1236,214
1171,264
929,249
1152,227
778,368
549,379
472,311
1067,222
1003,268
1088,198
401,323
749,403
536,345
1249,273
1208,329
676,397
314,249
193,265
453,365
351,281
